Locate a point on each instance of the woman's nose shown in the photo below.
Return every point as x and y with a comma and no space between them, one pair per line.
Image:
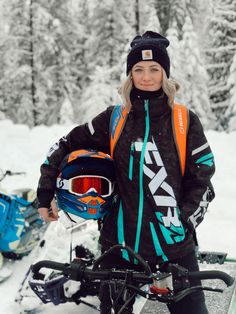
146,76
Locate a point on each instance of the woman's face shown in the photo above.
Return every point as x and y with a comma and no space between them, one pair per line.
147,75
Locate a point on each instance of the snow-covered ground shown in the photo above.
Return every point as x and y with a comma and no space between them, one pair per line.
24,149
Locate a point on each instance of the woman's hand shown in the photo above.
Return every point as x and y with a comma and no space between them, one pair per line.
49,214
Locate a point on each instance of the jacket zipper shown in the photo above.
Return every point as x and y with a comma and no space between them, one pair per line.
131,161
141,193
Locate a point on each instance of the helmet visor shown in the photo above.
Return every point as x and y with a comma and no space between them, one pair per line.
83,184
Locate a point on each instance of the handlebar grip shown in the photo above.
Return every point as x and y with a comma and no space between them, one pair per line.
77,271
212,274
11,173
49,264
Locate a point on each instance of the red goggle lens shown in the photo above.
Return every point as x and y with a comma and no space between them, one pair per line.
82,185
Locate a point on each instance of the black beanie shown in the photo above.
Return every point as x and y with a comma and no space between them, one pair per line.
150,46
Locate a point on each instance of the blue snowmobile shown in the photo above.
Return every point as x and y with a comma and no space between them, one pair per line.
20,225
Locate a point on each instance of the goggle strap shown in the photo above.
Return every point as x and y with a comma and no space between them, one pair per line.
63,184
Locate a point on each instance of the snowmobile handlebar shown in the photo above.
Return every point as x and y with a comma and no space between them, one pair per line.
212,274
9,173
77,270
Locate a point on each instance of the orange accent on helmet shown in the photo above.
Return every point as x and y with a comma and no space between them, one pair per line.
77,153
92,210
92,200
86,153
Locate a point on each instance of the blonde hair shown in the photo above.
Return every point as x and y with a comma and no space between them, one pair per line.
169,86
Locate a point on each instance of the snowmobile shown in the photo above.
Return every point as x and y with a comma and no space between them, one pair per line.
167,285
20,225
88,195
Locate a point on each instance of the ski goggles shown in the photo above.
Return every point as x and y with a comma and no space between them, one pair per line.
81,185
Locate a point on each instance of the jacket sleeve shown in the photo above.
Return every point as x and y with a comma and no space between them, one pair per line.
92,135
197,189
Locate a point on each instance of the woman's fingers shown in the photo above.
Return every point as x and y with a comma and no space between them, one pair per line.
46,215
54,212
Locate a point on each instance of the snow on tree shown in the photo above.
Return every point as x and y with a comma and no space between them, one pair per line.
99,54
174,51
98,96
173,12
231,110
106,48
201,21
66,113
57,51
56,45
80,14
39,58
2,116
100,42
220,52
148,20
123,33
111,30
195,76
2,109
15,66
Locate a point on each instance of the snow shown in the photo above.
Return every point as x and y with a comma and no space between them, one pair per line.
24,149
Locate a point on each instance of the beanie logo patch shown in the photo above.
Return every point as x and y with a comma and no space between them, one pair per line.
147,55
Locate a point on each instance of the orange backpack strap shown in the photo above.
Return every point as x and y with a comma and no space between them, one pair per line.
117,123
180,124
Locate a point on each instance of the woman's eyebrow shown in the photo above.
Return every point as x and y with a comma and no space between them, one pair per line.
154,65
143,67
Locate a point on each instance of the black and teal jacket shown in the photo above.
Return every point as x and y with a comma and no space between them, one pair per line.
156,209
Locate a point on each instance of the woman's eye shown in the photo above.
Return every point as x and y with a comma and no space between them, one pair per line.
137,70
155,70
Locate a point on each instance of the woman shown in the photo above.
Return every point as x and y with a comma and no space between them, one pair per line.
158,209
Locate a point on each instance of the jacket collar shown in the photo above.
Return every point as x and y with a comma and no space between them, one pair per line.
158,102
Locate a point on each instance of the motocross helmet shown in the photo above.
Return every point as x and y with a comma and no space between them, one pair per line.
85,185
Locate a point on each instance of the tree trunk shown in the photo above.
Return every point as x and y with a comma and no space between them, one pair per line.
32,62
137,17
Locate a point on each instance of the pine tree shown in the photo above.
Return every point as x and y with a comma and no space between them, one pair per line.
173,12
195,76
220,52
123,33
148,17
174,51
75,51
3,107
99,54
66,113
40,60
92,103
16,64
107,46
56,46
